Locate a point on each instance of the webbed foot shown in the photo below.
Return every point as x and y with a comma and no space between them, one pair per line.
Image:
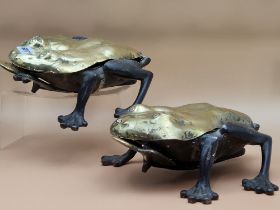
112,160
119,112
199,193
73,121
25,78
260,184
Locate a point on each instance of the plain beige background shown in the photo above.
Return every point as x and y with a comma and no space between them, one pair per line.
226,52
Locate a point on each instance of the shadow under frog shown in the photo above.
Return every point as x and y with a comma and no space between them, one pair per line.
80,65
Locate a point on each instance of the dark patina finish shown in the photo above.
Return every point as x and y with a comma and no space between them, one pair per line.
81,65
189,137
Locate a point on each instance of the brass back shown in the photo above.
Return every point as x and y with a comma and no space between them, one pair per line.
179,123
61,54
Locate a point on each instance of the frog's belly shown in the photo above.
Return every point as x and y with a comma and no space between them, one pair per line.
186,154
66,82
72,82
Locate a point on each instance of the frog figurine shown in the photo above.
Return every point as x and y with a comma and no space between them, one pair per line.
189,137
78,64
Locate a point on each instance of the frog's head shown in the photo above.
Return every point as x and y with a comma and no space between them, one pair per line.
138,131
42,53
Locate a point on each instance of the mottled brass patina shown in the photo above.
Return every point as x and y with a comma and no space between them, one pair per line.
179,123
62,54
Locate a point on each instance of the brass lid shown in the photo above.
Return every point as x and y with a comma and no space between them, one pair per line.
62,54
8,66
187,122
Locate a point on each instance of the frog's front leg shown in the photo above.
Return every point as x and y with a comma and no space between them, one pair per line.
202,191
25,78
89,83
117,160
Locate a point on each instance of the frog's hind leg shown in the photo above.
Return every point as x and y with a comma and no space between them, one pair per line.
201,191
117,160
261,183
130,69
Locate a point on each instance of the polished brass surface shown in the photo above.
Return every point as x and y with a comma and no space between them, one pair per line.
61,54
174,123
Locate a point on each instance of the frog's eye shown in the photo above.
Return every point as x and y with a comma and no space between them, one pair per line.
37,45
36,42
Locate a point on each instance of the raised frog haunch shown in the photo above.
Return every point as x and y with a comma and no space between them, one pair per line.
78,64
189,137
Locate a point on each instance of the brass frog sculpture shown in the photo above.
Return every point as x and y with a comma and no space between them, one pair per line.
78,64
189,137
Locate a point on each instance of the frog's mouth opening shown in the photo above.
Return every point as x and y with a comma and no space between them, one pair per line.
151,157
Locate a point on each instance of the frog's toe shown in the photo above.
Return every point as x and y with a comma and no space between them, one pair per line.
119,112
74,128
61,118
260,184
107,160
112,160
199,194
63,126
